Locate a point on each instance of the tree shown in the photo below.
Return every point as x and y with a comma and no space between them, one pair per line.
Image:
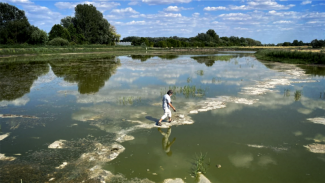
295,43
116,37
317,43
38,37
65,22
14,26
90,23
213,34
59,31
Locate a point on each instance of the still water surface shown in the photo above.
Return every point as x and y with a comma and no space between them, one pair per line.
259,135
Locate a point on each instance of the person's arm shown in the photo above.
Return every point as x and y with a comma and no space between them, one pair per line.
172,106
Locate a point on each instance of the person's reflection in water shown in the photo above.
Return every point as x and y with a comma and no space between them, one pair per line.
166,144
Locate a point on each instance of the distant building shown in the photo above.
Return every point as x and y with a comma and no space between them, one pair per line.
123,43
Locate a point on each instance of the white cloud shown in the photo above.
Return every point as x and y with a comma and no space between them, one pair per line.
154,2
101,5
214,8
196,14
18,1
306,2
283,22
133,2
135,23
125,10
18,102
262,5
240,28
175,8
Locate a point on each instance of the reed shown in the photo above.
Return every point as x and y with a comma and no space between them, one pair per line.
295,57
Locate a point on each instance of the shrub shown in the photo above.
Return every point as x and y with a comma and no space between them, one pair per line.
72,43
58,42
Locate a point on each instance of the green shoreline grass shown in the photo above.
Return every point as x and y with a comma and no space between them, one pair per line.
293,57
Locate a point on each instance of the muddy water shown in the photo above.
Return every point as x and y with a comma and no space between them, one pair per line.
76,120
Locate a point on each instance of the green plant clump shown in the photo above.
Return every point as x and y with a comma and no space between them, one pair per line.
287,56
200,165
58,42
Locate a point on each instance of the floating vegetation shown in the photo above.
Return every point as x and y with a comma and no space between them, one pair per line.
316,148
297,95
129,100
317,120
200,165
4,136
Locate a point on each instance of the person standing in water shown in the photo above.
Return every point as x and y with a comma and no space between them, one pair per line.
166,104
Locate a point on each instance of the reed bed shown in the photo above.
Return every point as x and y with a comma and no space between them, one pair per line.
287,56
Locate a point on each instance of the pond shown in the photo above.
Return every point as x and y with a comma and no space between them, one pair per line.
252,121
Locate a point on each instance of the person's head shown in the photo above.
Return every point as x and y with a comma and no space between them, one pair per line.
170,92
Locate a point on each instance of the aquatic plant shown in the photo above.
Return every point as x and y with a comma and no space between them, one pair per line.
200,72
286,93
297,95
187,91
130,100
200,165
189,80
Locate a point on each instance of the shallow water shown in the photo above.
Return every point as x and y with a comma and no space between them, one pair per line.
253,118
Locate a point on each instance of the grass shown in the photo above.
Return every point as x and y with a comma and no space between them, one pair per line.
60,57
67,49
295,57
199,165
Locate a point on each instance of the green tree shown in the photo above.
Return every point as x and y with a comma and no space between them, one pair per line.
295,43
14,26
213,34
59,31
90,23
38,37
65,22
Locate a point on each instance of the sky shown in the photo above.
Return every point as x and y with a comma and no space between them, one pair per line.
269,21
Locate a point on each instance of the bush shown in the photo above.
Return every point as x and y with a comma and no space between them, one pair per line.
72,43
58,42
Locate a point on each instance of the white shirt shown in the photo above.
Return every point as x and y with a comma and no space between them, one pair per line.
165,101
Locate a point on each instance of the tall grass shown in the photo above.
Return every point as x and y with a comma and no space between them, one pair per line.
288,56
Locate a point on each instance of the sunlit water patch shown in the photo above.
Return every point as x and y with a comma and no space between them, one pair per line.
96,120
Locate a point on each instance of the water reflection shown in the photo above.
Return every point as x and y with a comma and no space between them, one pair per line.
142,58
210,60
168,57
313,70
166,144
16,79
90,75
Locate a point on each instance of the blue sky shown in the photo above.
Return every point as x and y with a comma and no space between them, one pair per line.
269,21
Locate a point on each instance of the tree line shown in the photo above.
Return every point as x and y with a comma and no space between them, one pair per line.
208,39
88,26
